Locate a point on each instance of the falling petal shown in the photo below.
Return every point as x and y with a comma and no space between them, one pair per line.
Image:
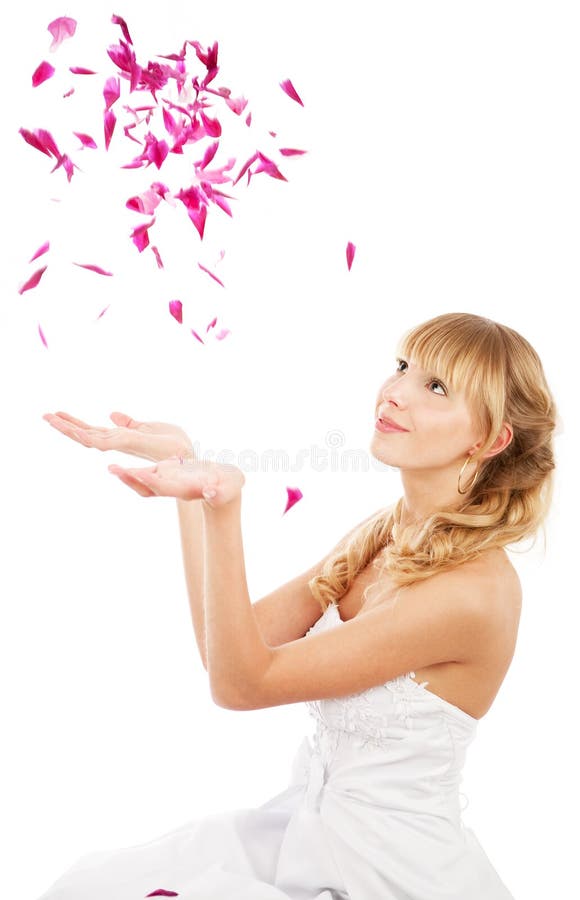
211,275
246,166
195,334
289,89
69,93
211,325
294,495
287,151
111,91
93,268
222,334
208,155
66,162
176,310
212,126
85,139
157,257
33,280
60,29
196,207
266,165
161,892
140,235
42,337
237,105
109,124
117,20
42,140
44,248
350,251
102,313
249,119
79,70
273,133
42,73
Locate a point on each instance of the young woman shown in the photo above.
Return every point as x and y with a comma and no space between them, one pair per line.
397,641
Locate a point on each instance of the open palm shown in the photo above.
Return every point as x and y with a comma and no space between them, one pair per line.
186,480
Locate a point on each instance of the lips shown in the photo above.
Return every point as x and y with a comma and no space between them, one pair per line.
391,423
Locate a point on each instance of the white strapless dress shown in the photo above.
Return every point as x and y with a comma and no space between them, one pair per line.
372,812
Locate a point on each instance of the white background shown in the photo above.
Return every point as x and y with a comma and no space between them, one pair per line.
443,141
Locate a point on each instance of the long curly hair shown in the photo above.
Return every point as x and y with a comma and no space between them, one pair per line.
504,381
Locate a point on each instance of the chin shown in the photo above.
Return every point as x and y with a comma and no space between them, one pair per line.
383,456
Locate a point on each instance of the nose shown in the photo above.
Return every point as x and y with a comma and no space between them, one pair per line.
393,393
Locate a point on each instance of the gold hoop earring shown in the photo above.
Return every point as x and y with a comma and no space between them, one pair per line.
466,491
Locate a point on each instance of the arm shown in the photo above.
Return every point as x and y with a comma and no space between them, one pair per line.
236,652
192,540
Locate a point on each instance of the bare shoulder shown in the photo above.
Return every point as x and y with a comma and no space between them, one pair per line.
493,579
490,589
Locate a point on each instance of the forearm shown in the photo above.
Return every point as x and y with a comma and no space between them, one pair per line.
236,652
192,540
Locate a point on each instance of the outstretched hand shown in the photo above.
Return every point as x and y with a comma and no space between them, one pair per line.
217,484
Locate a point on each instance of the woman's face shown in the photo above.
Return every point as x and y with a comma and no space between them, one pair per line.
440,428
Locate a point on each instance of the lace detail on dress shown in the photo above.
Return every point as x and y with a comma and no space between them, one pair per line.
373,723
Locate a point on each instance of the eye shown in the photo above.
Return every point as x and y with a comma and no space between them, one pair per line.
438,383
432,380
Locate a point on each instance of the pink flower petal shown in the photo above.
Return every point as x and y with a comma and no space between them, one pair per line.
211,275
33,280
211,325
246,166
289,89
140,235
157,257
42,73
42,337
93,268
44,248
294,495
110,120
79,70
350,251
212,127
237,105
117,20
85,139
287,151
102,312
222,334
208,155
66,162
196,206
195,334
249,119
41,140
176,310
111,91
266,165
60,29
161,892
69,93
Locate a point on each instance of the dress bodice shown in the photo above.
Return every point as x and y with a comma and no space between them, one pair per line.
415,739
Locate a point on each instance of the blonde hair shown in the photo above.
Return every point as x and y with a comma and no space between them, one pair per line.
503,380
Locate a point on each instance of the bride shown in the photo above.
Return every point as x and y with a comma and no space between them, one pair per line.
397,641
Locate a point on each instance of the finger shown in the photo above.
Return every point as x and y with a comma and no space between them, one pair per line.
78,422
132,481
121,418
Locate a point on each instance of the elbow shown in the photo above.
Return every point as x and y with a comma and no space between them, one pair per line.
234,699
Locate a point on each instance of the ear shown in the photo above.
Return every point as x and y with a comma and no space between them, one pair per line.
503,439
